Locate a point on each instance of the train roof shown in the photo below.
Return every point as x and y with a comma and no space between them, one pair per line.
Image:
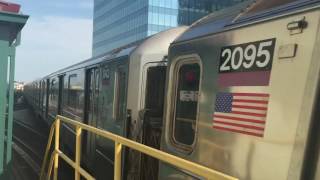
113,54
158,43
248,12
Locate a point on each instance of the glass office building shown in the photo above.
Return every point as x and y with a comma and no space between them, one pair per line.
119,22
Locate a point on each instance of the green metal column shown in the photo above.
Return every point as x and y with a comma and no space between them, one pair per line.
4,52
11,102
10,27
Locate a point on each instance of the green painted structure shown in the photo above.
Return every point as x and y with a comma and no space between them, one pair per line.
10,28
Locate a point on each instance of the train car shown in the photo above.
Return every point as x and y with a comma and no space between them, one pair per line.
243,93
31,93
117,92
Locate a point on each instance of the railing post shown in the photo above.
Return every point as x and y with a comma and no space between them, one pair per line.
45,159
50,167
56,149
78,153
117,160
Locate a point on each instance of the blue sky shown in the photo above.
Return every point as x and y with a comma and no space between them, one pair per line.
57,34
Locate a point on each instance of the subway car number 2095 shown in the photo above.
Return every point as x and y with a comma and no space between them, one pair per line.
252,56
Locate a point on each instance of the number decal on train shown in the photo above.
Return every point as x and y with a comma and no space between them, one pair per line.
253,56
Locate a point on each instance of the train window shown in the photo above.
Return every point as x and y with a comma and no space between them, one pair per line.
119,94
75,97
53,97
72,91
186,103
155,88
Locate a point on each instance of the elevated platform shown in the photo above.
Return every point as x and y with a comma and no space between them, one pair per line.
29,139
30,135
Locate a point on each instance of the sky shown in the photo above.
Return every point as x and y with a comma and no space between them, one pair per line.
58,33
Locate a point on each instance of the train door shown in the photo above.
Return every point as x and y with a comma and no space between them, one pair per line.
39,96
155,77
47,98
43,96
112,115
91,110
61,82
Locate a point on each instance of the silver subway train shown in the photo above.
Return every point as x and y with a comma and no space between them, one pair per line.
108,92
237,91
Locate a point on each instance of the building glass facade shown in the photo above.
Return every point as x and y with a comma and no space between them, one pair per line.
119,22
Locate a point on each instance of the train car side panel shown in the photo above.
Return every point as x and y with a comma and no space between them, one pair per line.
264,144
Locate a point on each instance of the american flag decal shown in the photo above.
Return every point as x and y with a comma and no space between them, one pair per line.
241,113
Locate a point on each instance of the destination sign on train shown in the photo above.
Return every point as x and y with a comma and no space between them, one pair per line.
247,64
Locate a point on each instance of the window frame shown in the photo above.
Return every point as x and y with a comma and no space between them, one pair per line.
173,86
70,76
145,77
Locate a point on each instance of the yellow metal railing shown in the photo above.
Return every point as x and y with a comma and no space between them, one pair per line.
119,142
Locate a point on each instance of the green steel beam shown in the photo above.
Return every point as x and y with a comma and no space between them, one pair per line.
10,27
13,18
11,103
4,52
